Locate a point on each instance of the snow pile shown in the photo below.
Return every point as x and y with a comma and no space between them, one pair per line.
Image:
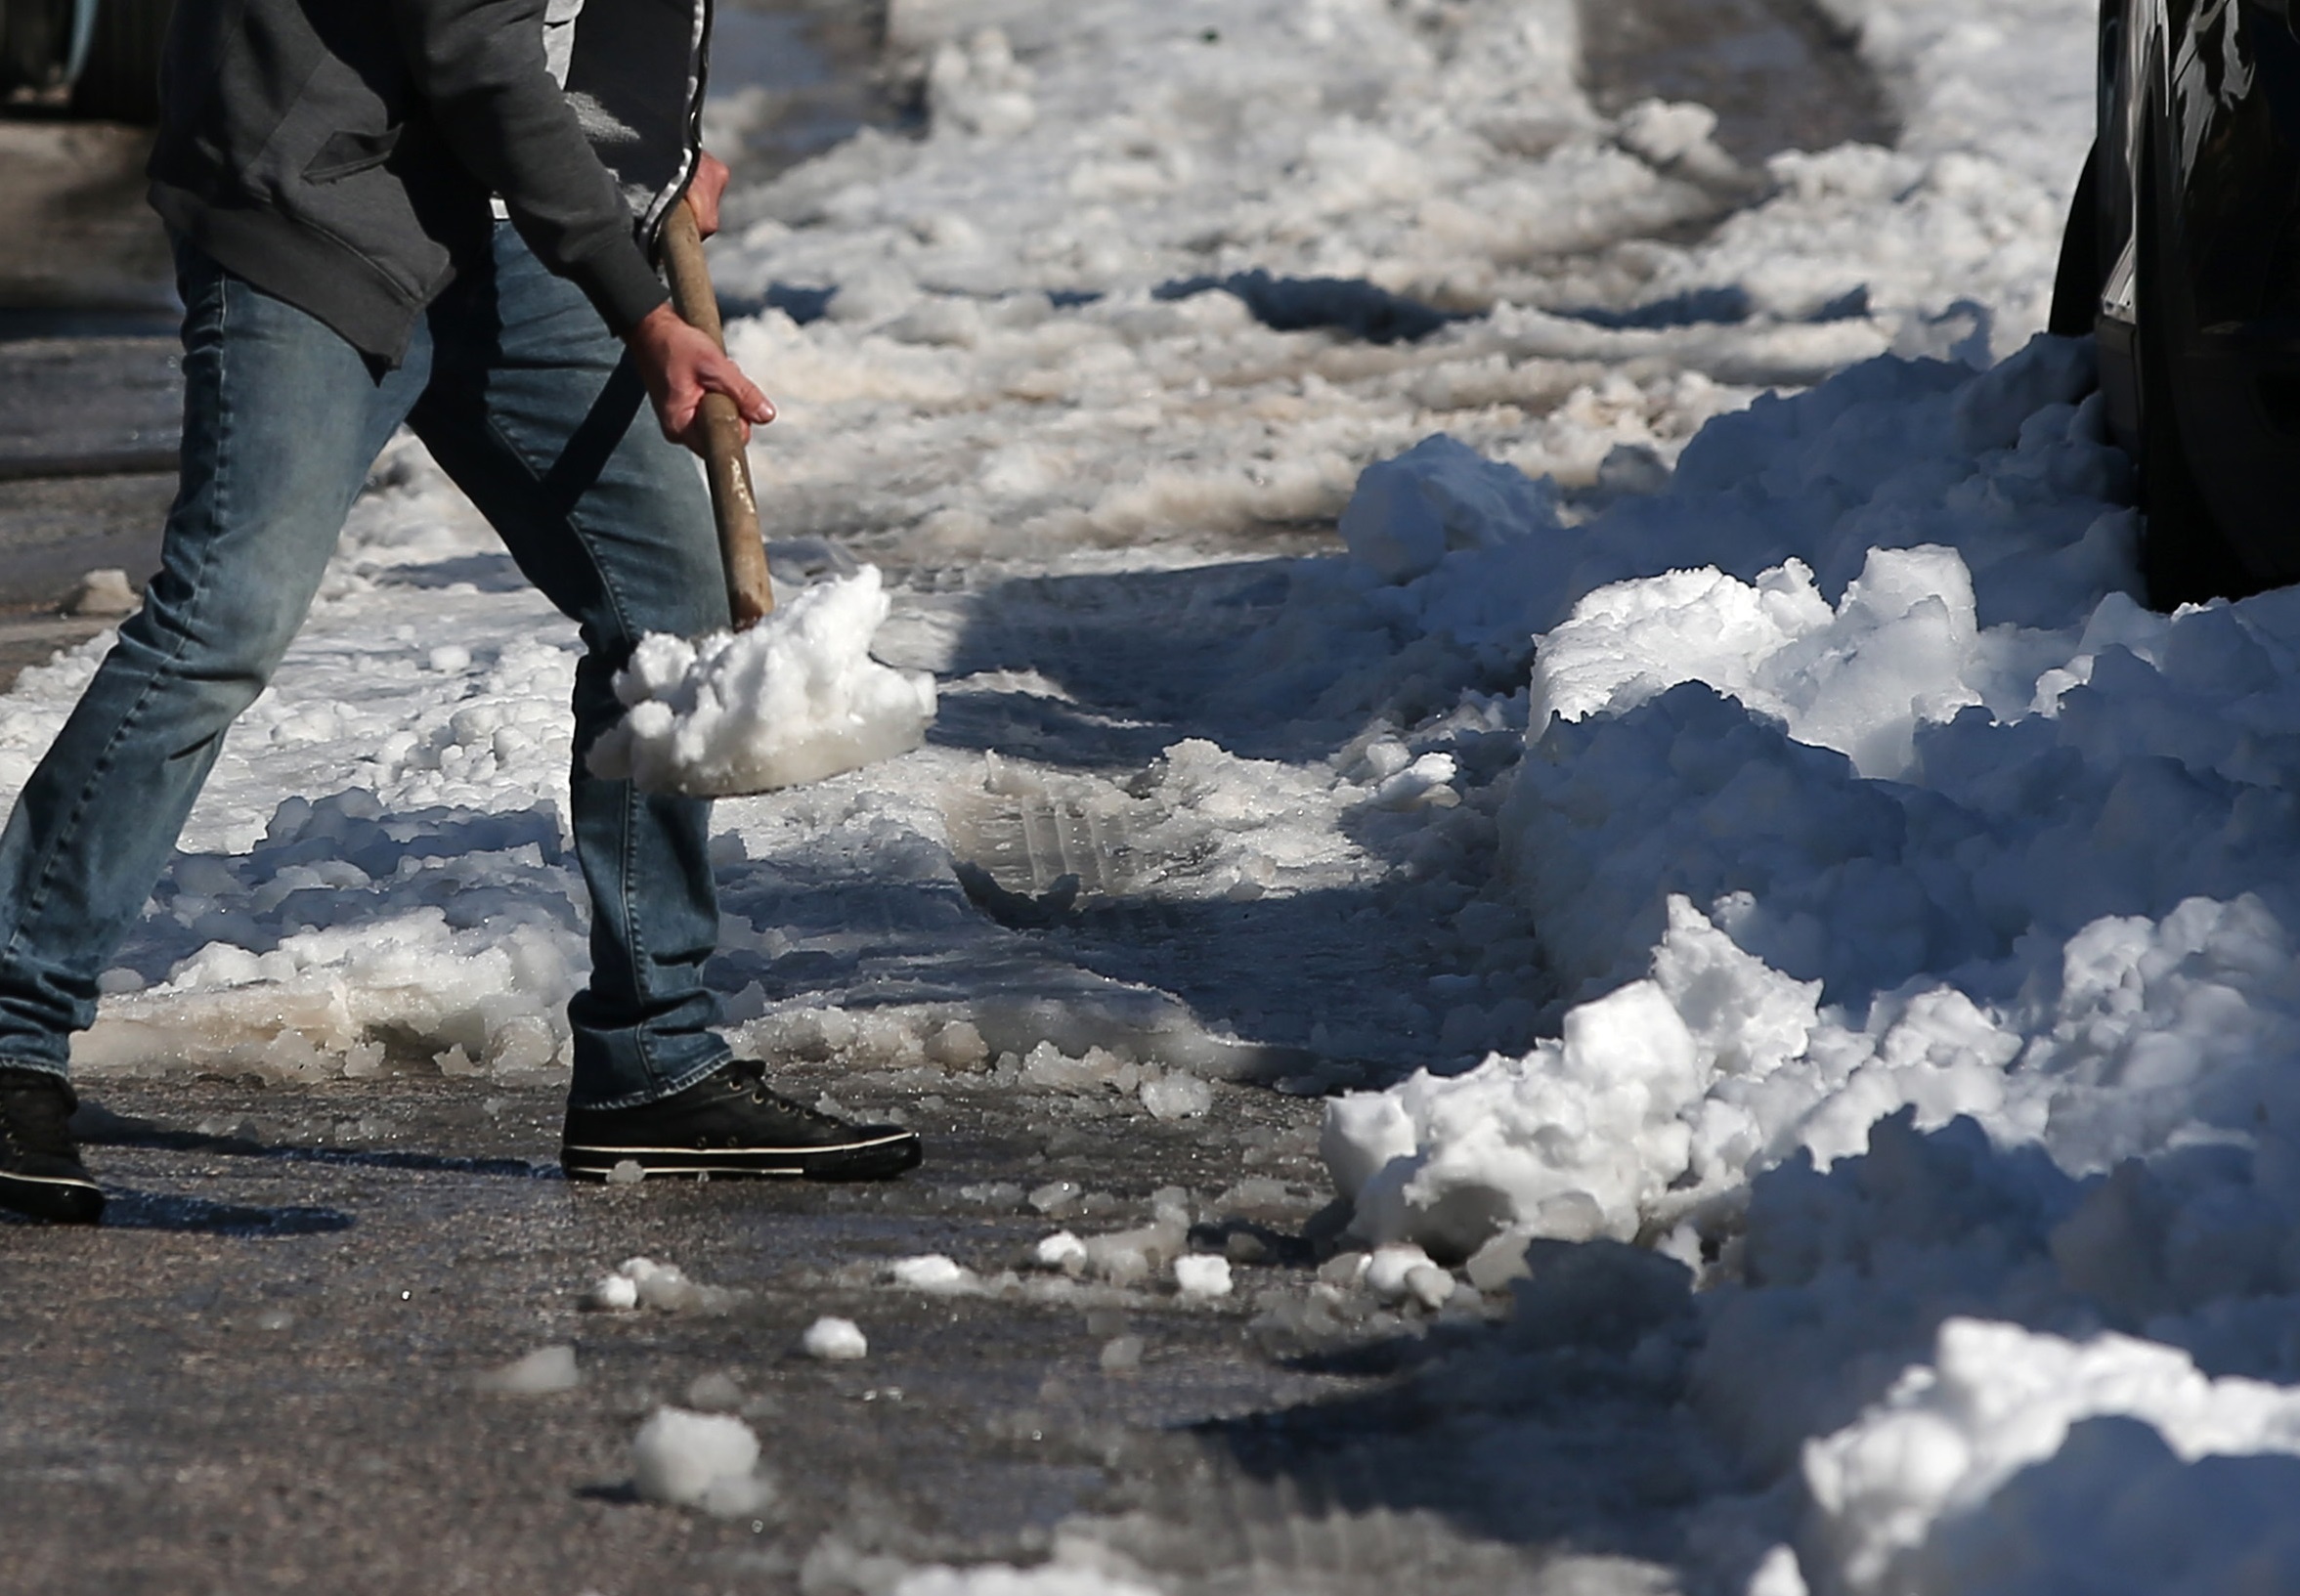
703,1460
2018,1461
1701,772
1575,1139
351,938
793,700
1773,946
1919,918
1407,514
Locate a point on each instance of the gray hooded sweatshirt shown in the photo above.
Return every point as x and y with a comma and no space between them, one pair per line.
341,154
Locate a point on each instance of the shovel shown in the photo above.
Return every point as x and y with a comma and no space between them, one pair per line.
742,549
764,707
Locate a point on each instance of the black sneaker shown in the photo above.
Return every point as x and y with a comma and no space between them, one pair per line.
729,1124
40,1168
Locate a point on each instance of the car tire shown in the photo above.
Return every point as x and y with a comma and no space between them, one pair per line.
2185,558
120,82
2076,285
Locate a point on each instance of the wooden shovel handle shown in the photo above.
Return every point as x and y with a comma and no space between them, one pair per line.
742,549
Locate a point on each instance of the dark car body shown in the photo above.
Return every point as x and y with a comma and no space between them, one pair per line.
2186,230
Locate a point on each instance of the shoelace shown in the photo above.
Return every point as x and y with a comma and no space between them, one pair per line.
747,1073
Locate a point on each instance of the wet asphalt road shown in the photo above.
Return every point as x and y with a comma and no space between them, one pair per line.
259,1374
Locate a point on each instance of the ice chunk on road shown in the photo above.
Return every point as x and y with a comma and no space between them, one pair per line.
932,1272
665,1288
540,1373
795,699
834,1340
1176,1095
104,594
1201,1274
704,1460
613,1294
1060,1250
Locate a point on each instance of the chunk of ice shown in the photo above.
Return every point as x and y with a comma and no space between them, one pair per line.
1176,1095
932,1272
703,1460
615,1294
1201,1274
1060,1250
714,1393
540,1373
1387,1270
834,1340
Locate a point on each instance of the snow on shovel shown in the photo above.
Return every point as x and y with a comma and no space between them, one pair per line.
791,695
794,698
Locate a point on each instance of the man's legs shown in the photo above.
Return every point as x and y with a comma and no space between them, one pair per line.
536,414
281,419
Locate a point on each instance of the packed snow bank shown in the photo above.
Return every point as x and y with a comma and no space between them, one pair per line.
793,700
1628,1116
1916,575
2050,840
2018,1462
1920,912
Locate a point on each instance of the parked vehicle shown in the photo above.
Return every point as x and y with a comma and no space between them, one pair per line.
2182,254
104,52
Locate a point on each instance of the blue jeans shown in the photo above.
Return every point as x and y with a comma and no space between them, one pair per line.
531,406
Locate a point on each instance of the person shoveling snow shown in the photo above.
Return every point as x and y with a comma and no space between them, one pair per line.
331,297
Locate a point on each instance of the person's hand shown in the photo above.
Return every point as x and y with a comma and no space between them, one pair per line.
679,366
710,182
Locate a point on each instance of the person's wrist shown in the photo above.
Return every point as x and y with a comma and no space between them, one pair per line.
655,327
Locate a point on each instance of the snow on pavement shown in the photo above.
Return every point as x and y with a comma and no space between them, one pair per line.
1776,841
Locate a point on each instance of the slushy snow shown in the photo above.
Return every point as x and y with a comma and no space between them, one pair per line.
793,700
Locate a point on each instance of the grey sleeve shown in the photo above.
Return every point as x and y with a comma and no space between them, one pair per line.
479,65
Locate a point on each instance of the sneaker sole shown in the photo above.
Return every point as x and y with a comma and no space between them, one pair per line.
878,1159
58,1199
